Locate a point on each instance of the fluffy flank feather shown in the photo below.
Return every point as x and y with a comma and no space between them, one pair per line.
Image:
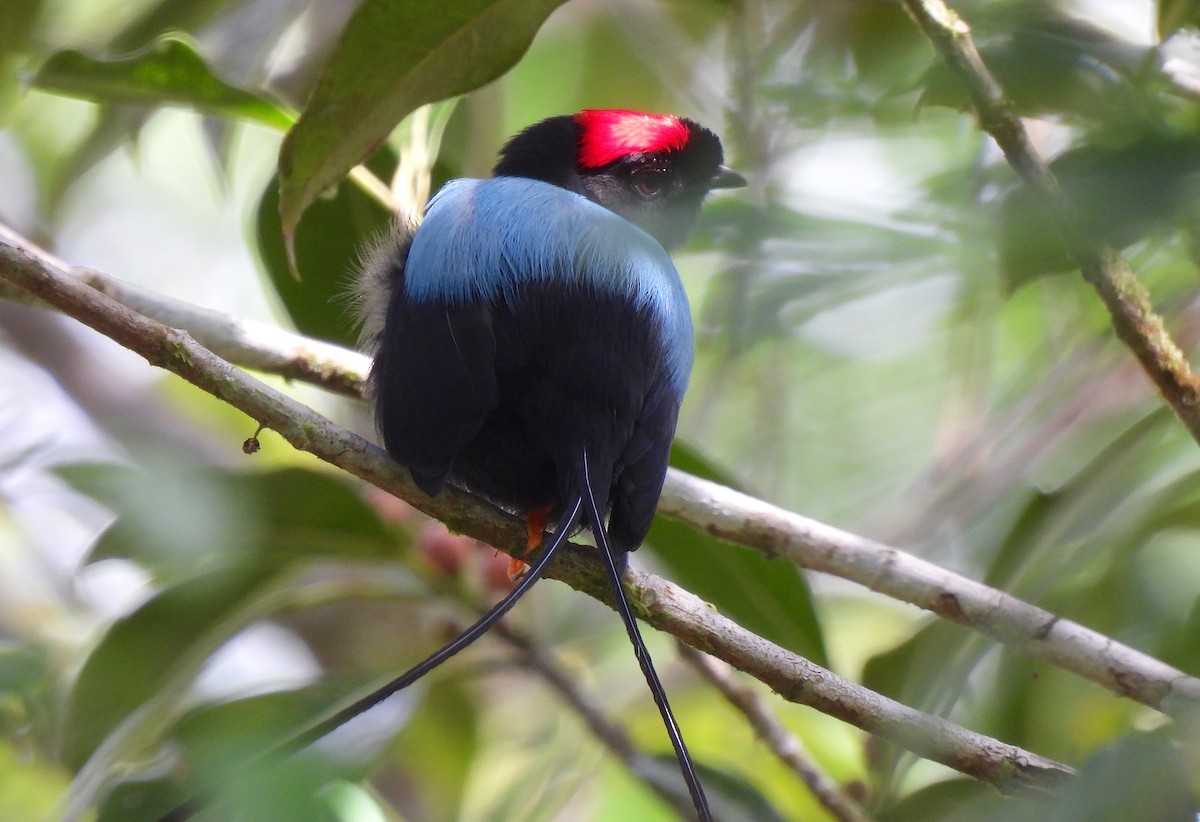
380,271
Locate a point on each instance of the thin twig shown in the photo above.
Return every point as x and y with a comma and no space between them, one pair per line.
783,743
743,520
1127,300
610,734
659,602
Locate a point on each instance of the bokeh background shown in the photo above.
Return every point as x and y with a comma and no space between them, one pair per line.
890,339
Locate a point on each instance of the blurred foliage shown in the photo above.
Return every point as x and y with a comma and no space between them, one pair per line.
169,70
445,51
331,233
881,346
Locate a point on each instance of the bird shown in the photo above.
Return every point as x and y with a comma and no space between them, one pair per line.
531,341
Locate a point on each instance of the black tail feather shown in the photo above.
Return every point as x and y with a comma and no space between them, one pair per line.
478,629
451,648
615,567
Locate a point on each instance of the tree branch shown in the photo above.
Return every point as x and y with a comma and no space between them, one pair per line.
775,532
256,345
732,516
1127,300
661,603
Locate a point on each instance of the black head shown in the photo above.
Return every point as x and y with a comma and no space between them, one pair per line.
654,170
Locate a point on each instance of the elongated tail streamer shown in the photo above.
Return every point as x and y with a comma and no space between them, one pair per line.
596,522
360,706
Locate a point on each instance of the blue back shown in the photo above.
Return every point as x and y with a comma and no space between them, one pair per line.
484,240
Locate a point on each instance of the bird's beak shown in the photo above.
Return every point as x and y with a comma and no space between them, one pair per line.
726,177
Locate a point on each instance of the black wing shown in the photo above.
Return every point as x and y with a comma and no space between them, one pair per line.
434,382
642,469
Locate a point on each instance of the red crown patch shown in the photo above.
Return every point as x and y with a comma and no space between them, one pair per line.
610,134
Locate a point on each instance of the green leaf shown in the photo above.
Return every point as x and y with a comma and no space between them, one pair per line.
1120,195
221,747
1175,14
23,668
1140,776
928,671
731,796
17,24
266,790
283,517
30,788
439,746
435,49
768,596
880,37
326,246
315,514
1180,645
167,72
154,652
951,799
1050,63
222,744
141,800
176,521
170,521
920,670
216,735
1035,554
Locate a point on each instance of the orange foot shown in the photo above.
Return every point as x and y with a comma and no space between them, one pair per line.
535,525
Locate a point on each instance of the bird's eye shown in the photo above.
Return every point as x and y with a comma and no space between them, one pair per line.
649,182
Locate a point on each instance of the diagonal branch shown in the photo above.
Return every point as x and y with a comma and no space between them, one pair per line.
1127,300
661,603
728,514
1025,628
250,344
